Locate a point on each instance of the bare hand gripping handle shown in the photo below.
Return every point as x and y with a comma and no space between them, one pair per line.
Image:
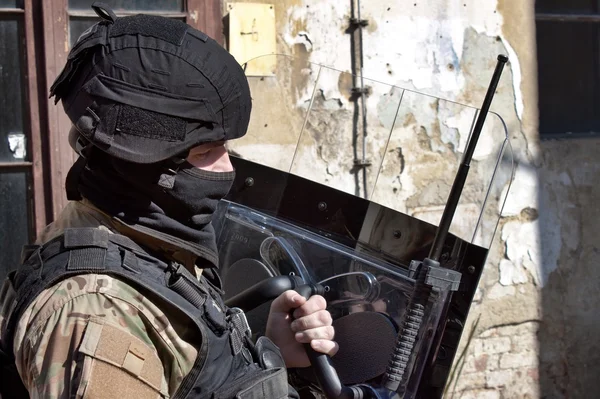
329,381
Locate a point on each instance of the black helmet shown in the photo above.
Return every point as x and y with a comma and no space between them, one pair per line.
147,88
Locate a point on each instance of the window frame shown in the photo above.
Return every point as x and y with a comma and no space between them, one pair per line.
204,15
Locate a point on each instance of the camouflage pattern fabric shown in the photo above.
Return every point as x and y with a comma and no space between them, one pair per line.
95,336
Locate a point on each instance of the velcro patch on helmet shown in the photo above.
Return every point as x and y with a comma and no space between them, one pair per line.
149,124
169,30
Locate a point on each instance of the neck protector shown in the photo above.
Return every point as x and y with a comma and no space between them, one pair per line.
180,216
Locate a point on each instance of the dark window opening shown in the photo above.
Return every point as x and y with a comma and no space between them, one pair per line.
15,179
568,49
129,5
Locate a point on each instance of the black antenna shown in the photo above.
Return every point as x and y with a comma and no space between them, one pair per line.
415,311
463,170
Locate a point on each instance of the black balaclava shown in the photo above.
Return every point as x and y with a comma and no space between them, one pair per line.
180,215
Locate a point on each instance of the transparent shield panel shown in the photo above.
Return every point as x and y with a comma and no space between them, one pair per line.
362,291
280,103
422,157
425,150
498,172
390,145
346,132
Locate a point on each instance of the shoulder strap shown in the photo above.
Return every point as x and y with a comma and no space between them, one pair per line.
76,251
93,250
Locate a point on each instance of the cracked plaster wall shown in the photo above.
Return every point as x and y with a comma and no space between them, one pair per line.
535,302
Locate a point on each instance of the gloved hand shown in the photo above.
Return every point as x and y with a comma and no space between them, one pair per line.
311,323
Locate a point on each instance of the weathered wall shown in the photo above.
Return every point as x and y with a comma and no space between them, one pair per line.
534,308
569,211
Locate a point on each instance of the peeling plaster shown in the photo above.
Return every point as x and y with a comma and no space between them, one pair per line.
324,23
559,228
511,274
491,134
524,250
422,49
417,47
500,291
516,73
300,38
493,27
523,191
439,47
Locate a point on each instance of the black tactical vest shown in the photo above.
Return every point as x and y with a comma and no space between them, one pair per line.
229,364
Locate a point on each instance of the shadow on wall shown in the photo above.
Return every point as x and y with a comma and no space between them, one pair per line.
569,216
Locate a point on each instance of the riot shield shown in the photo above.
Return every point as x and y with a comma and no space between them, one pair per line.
341,184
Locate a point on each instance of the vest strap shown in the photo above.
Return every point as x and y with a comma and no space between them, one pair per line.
91,259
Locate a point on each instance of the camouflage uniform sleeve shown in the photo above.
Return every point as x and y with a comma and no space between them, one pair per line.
95,336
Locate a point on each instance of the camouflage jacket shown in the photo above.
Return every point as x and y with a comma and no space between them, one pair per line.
93,336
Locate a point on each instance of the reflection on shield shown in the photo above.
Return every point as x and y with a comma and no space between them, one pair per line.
333,197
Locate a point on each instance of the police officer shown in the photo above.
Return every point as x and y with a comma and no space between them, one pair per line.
120,296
